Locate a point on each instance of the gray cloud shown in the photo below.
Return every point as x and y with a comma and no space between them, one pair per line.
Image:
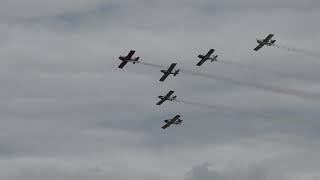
68,112
37,8
202,172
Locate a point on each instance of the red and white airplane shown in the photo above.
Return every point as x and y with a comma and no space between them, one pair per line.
128,58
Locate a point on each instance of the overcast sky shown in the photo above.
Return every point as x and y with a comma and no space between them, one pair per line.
68,113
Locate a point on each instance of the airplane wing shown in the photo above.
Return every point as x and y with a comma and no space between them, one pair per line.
171,67
161,101
268,38
164,77
166,126
129,56
201,62
169,94
258,47
122,64
209,53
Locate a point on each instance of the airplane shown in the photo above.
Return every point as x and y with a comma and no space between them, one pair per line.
169,71
267,41
176,120
128,58
167,97
207,57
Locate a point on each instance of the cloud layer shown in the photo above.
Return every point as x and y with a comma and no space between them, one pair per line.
67,111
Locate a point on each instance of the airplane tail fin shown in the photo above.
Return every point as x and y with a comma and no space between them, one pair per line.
177,72
136,60
214,58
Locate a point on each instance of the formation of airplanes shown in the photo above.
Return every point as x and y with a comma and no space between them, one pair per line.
176,120
171,69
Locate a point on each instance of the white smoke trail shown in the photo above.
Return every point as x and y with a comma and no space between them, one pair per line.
209,106
225,109
264,70
239,111
298,94
153,65
301,51
291,92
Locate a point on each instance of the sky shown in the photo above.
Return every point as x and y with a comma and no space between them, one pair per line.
68,113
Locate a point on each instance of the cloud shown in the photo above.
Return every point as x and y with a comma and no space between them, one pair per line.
202,172
68,112
38,8
248,159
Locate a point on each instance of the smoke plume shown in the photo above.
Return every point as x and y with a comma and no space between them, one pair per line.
285,91
301,51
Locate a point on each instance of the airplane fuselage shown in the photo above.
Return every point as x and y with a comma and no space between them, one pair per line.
133,60
123,58
213,58
174,73
165,71
269,43
168,99
179,121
